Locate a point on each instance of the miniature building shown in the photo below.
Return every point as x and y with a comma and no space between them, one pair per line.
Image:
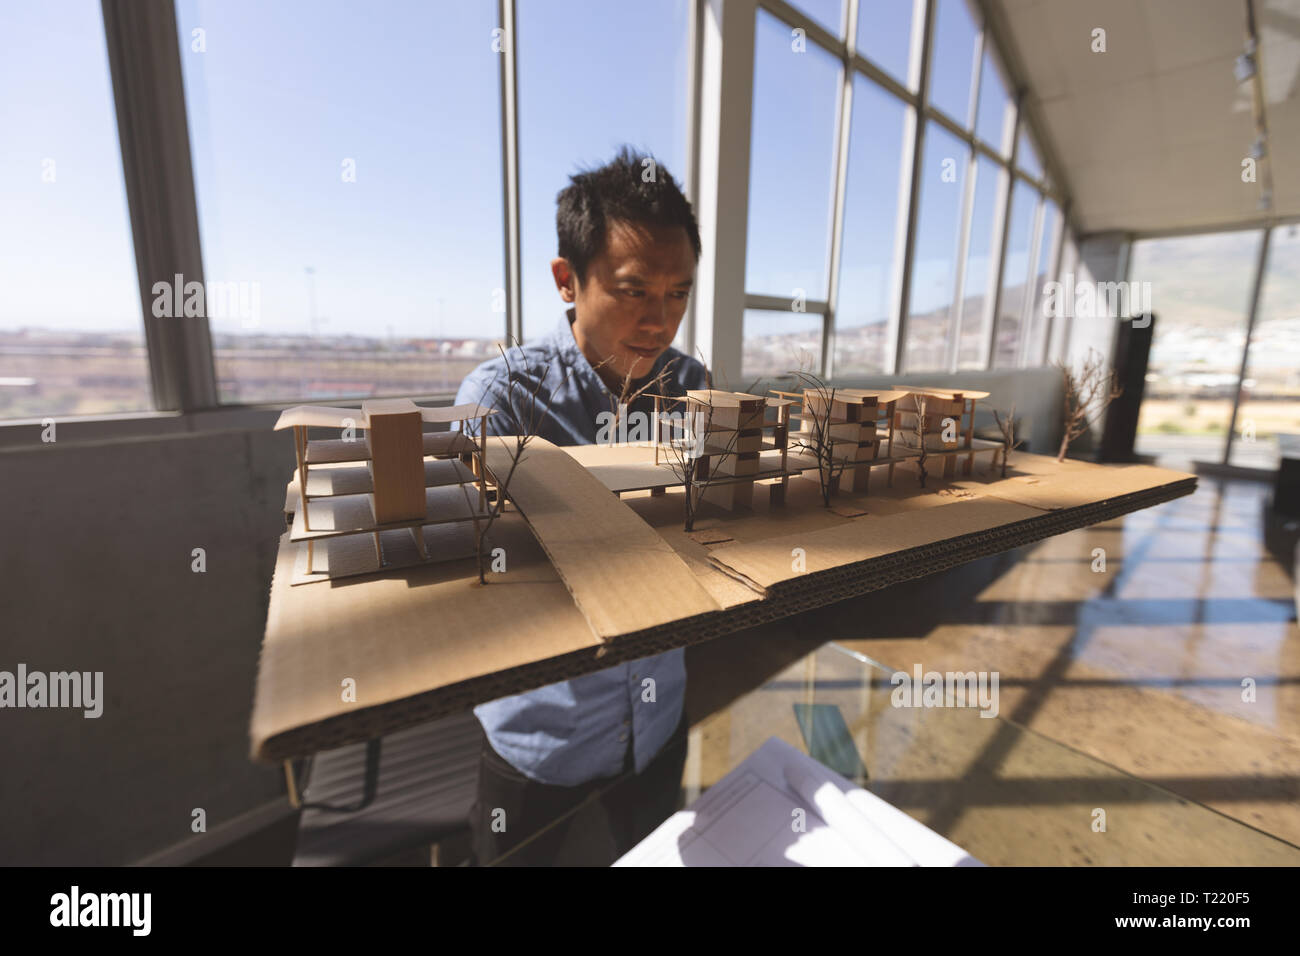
727,433
850,420
940,404
390,485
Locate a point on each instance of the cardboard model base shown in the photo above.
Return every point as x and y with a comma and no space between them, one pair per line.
591,579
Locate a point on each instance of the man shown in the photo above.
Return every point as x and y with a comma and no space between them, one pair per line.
628,248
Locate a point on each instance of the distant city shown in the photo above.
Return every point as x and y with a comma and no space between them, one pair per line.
55,373
45,373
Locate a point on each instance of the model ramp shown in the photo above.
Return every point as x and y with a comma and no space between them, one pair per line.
624,577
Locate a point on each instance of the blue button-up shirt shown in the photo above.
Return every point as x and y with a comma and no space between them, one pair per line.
578,730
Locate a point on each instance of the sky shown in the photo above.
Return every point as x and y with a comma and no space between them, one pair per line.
353,169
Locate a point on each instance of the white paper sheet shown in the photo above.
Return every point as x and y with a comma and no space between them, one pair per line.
749,819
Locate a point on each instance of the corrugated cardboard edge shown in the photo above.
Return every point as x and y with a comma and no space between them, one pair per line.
810,591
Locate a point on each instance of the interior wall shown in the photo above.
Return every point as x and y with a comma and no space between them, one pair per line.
97,576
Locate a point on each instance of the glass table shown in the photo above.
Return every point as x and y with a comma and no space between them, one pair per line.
1006,794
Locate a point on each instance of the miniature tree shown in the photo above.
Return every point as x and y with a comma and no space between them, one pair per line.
816,438
683,452
523,405
686,451
1088,393
1010,442
627,395
921,422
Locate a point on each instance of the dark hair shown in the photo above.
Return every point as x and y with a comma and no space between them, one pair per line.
633,188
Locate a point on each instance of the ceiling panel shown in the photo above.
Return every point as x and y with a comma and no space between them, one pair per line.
1150,135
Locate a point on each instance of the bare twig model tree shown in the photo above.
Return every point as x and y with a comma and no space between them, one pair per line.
687,449
627,394
1088,393
682,440
815,435
1007,426
522,402
922,422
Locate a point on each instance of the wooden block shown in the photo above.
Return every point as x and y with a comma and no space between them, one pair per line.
745,463
395,440
731,495
853,431
854,478
776,494
730,417
934,406
731,440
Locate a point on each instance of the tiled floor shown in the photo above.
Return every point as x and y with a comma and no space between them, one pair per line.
1124,654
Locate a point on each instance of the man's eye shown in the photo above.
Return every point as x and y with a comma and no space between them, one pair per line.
681,294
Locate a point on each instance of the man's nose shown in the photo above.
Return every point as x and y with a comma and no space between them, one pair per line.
654,314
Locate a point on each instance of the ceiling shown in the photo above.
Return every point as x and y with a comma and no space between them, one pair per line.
1151,134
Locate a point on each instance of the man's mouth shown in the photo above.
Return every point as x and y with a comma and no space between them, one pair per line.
644,351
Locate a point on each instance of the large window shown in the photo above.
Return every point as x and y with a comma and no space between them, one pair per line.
981,264
593,76
791,163
934,266
875,189
995,118
777,343
352,200
885,35
71,332
1200,290
1036,343
1015,276
1270,391
952,62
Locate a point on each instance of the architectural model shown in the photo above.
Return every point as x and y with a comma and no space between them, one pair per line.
388,484
387,494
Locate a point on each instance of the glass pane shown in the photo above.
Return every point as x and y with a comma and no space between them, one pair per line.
791,161
829,13
1270,393
953,60
568,120
1015,275
1199,292
996,116
71,332
871,201
340,186
1037,320
1027,156
977,298
885,35
777,343
943,178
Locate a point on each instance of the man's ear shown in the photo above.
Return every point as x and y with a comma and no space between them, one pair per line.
565,281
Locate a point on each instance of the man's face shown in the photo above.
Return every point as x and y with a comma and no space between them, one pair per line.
632,300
